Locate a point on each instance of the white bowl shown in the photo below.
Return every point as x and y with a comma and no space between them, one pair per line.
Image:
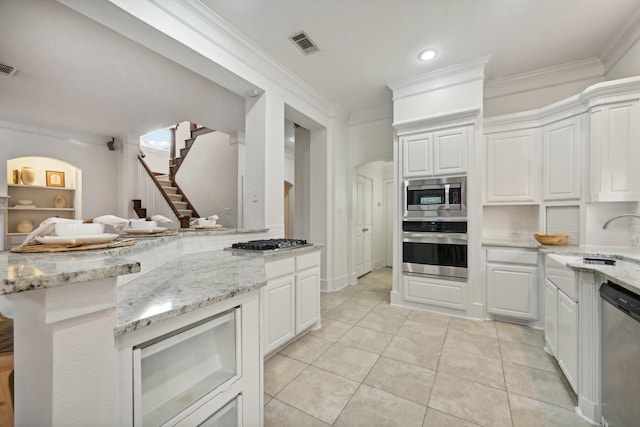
77,229
24,202
141,223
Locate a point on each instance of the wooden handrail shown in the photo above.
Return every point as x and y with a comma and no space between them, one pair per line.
164,193
194,213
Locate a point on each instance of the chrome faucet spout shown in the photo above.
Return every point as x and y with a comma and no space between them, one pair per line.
606,224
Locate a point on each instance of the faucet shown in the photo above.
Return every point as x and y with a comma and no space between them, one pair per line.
606,224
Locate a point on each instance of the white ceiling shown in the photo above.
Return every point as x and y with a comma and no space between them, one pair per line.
74,74
365,44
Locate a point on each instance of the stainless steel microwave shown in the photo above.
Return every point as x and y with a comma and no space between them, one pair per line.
442,197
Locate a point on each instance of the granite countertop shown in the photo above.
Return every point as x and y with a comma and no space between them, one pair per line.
24,272
512,243
184,284
625,273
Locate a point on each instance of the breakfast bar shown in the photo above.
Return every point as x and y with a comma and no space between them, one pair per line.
164,331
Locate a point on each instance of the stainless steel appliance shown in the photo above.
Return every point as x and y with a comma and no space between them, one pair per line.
620,342
269,245
440,197
435,248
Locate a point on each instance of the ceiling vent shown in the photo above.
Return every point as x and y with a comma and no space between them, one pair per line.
7,70
304,42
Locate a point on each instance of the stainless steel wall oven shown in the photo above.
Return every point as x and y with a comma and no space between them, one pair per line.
435,248
441,197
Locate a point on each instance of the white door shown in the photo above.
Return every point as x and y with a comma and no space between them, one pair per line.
568,338
368,224
362,224
511,290
278,312
307,294
358,226
388,223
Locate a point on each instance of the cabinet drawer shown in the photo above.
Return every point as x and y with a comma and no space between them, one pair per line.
307,261
566,283
279,267
511,256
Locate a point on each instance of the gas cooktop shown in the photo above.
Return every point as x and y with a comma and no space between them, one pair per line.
269,245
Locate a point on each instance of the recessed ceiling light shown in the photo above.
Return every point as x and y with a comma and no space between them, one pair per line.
427,55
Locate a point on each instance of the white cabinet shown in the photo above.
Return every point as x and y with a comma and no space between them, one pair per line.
442,152
417,154
614,152
567,353
551,317
512,171
278,310
307,299
431,291
291,298
561,317
512,277
561,155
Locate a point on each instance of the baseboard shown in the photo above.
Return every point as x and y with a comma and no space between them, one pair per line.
332,285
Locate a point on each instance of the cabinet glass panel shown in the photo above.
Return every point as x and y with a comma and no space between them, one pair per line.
227,416
176,370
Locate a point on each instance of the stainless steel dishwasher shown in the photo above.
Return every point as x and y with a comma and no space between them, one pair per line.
620,356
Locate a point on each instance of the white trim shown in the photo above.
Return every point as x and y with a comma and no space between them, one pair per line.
628,35
439,79
452,119
569,72
381,112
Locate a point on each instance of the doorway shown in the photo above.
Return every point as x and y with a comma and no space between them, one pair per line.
363,225
288,210
372,219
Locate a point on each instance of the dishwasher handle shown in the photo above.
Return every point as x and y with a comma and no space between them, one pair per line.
622,299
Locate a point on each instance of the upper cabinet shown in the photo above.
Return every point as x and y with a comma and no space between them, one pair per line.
417,155
512,166
615,152
443,152
561,159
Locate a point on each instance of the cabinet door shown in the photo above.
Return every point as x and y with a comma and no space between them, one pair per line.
307,299
551,316
417,155
511,290
278,312
512,166
568,338
450,151
561,148
614,152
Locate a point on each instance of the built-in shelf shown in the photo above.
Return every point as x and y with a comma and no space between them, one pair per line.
42,187
41,209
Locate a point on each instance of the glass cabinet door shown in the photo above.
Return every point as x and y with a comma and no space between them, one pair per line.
174,371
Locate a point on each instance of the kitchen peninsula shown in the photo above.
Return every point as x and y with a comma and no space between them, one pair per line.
132,335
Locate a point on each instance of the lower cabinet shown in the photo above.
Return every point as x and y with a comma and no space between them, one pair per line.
551,317
568,337
200,368
561,317
512,283
291,298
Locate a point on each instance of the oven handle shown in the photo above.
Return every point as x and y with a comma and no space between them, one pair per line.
428,237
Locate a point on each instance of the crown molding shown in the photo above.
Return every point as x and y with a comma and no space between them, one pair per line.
82,139
439,79
381,112
202,21
569,72
628,35
453,119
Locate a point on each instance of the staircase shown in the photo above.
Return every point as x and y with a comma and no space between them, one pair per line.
174,164
173,194
176,196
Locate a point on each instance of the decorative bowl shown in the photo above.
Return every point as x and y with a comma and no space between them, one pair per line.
77,229
551,239
142,223
25,202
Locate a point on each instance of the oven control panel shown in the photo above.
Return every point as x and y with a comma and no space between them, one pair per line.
435,226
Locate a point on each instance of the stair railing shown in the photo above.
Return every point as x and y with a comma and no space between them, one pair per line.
162,192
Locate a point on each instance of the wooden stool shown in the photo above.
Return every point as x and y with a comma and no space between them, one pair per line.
6,372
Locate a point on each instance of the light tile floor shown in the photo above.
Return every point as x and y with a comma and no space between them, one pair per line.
372,364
